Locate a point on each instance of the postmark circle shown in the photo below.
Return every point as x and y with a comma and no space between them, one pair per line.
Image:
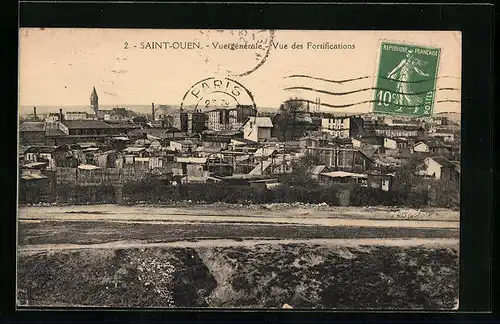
217,93
235,53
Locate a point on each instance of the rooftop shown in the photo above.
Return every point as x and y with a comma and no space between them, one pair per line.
40,149
343,174
85,124
443,161
88,167
317,169
35,165
218,139
33,176
131,149
260,121
32,127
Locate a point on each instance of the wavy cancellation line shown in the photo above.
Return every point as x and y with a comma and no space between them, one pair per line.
366,89
368,101
367,77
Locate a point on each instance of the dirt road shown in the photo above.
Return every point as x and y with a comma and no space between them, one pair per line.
94,225
302,216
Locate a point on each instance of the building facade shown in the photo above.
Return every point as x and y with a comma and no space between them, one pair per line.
342,126
257,128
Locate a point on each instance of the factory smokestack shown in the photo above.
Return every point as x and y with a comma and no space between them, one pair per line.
34,114
153,110
60,115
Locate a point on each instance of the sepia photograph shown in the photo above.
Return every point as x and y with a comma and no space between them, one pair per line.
239,169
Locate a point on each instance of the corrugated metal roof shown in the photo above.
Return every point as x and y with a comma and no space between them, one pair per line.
33,176
343,174
34,164
134,149
91,149
88,167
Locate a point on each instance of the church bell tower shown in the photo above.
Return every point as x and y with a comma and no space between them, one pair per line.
94,102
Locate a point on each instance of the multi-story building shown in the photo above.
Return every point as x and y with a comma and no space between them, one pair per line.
52,117
342,126
197,121
398,131
76,115
229,119
242,112
257,128
180,121
218,119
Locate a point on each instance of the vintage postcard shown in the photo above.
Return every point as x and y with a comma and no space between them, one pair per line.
239,169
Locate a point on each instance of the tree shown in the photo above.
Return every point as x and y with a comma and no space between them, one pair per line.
142,120
302,171
288,125
406,180
446,193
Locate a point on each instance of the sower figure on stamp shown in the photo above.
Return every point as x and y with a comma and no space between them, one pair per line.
402,73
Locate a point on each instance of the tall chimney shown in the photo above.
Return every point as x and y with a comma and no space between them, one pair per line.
60,115
153,110
34,114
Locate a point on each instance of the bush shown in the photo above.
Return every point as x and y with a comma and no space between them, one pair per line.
442,194
361,196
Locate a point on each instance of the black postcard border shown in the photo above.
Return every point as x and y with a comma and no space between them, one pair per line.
476,24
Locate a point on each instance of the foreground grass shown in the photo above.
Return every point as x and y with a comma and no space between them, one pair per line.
302,275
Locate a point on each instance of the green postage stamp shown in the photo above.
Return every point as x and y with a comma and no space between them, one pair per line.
406,80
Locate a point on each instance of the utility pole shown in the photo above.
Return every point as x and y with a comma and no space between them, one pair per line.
284,161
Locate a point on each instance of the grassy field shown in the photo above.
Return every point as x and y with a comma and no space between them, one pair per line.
302,275
257,256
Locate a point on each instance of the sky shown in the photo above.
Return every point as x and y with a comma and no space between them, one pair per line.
59,67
